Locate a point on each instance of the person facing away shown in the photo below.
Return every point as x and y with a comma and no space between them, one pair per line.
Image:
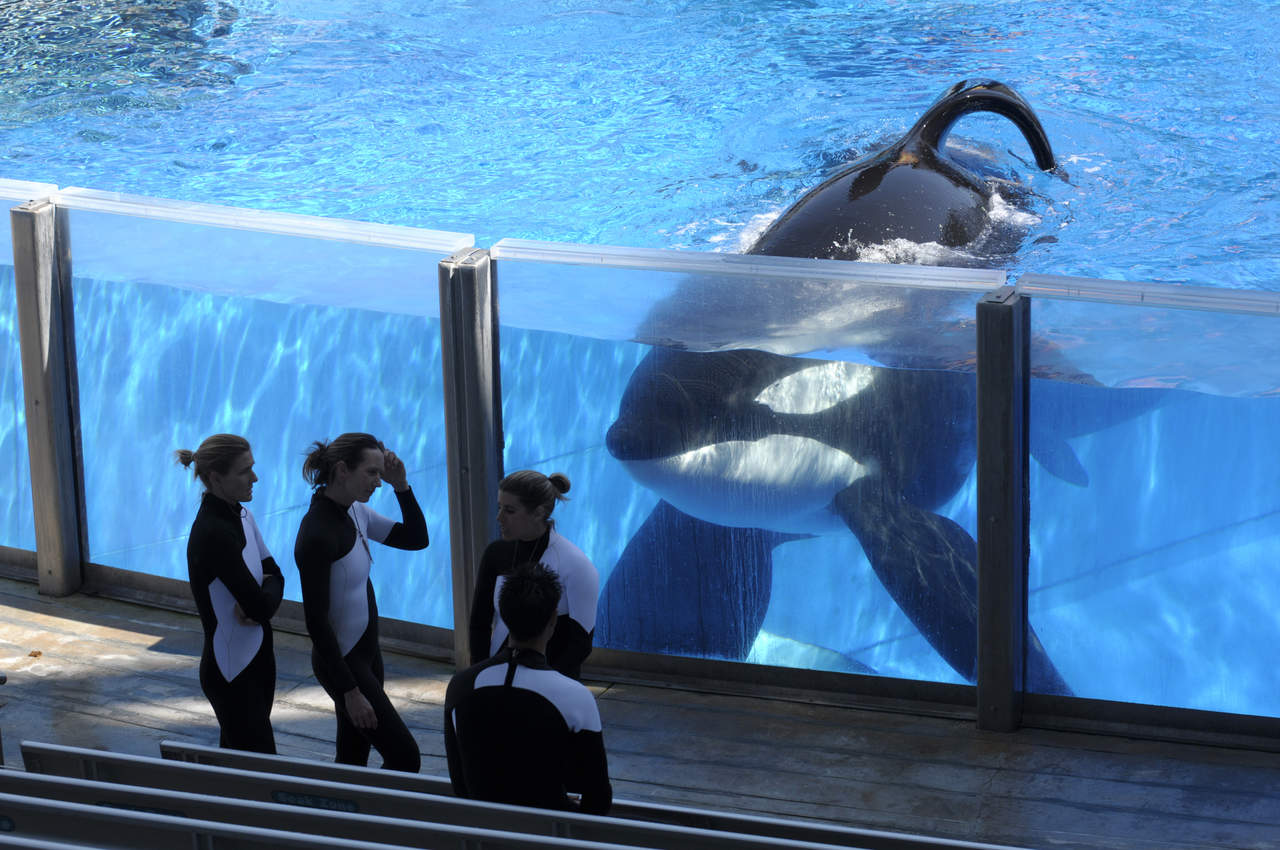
515,730
333,556
525,502
237,588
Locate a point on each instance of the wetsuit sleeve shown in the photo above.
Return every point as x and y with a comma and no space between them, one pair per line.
272,584
591,773
272,578
481,621
569,646
582,593
410,533
259,603
314,564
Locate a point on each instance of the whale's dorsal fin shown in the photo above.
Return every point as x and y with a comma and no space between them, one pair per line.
969,96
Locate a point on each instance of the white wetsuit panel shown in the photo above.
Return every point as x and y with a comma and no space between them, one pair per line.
236,643
572,699
349,576
578,577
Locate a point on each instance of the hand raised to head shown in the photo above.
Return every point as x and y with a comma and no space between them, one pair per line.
393,472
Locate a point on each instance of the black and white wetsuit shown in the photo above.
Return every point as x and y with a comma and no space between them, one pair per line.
516,731
228,564
571,642
333,557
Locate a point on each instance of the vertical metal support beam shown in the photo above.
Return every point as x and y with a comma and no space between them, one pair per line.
473,422
1004,370
42,273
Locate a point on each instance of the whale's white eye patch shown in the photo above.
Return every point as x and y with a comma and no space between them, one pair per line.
817,388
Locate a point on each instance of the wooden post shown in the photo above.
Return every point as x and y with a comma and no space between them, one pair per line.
473,423
42,273
1003,532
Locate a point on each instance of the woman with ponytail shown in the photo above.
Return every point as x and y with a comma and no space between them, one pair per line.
525,502
237,587
333,556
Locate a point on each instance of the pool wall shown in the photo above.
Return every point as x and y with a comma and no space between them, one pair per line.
190,319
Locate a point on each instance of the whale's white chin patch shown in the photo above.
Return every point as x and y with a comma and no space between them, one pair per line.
780,483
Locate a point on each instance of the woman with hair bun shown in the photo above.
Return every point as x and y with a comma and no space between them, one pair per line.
333,557
237,587
525,502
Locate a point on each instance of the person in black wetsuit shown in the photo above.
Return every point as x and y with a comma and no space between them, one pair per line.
525,502
333,557
515,730
237,587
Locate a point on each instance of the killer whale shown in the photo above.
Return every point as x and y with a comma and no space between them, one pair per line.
749,449
912,190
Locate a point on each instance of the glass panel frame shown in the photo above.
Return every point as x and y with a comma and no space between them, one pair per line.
182,338
1155,519
575,314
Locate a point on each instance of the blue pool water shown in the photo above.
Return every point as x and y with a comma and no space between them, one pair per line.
660,124
670,125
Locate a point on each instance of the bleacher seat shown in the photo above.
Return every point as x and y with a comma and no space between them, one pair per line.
303,791
237,813
684,816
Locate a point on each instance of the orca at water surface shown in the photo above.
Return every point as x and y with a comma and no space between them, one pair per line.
748,449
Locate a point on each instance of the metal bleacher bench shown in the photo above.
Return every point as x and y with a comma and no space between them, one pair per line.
110,815
101,826
391,814
708,819
27,842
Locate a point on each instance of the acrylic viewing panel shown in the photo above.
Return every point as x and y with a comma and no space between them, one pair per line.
718,477
164,362
1155,506
17,521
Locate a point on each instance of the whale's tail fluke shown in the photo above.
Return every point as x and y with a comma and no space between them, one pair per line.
969,96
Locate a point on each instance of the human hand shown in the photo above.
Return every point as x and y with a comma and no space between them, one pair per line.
359,710
393,472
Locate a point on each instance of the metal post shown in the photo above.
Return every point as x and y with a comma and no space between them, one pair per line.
473,422
1004,370
42,273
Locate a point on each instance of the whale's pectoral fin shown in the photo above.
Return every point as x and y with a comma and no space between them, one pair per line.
928,564
688,587
1058,459
1041,676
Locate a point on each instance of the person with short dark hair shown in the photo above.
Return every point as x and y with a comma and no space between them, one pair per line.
237,587
525,501
333,557
515,730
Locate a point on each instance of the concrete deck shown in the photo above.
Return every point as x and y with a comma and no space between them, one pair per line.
92,672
